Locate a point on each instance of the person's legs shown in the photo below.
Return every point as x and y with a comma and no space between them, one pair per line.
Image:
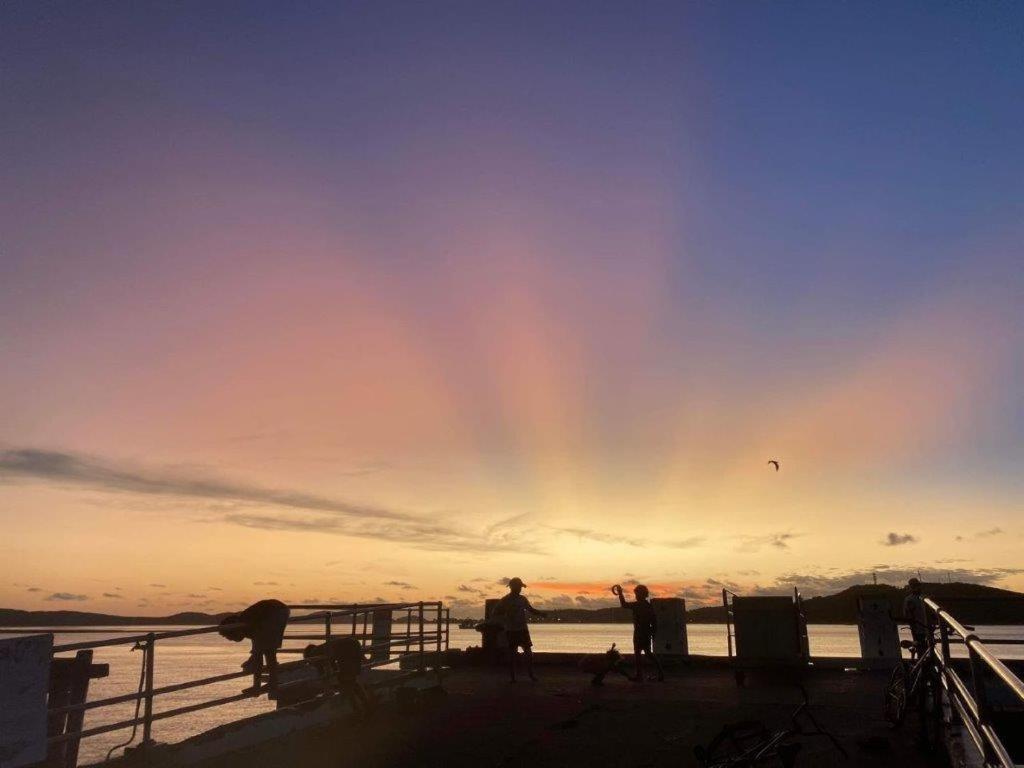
254,663
638,676
513,647
528,658
272,669
657,664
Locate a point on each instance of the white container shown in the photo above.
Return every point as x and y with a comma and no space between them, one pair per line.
670,638
879,634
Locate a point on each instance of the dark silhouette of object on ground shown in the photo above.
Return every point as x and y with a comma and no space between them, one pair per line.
263,623
511,611
339,662
600,664
645,623
751,742
774,463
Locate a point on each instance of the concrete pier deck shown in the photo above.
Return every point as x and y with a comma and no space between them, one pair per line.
480,719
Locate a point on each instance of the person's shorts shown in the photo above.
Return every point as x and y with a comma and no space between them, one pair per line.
519,638
643,641
268,634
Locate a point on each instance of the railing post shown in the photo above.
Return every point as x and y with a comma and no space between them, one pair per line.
954,713
447,628
147,723
422,661
408,630
327,627
728,623
437,658
980,697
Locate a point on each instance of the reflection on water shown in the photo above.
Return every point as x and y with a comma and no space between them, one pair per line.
188,658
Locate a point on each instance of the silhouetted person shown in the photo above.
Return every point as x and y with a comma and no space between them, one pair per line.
263,623
645,623
339,662
511,610
916,615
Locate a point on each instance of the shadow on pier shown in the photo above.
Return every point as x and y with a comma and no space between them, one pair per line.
480,719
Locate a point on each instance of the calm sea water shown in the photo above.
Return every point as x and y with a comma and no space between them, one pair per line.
189,658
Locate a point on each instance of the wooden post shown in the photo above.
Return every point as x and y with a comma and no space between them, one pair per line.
69,685
79,693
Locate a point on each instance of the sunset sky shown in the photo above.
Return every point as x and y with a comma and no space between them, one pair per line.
395,300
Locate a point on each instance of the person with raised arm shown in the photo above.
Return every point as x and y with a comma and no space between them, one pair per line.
645,623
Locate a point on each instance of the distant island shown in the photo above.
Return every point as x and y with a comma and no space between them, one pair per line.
971,603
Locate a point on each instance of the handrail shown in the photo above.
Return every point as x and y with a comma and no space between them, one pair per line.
430,624
209,629
972,706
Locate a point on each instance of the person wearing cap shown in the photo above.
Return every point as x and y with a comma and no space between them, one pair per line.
263,624
915,615
511,610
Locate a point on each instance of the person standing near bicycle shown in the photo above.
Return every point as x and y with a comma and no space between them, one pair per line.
916,615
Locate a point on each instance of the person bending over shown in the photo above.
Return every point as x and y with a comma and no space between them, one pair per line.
644,625
263,624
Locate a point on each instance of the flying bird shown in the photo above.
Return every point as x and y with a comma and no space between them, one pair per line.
773,461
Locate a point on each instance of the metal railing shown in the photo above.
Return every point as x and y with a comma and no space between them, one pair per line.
419,638
971,705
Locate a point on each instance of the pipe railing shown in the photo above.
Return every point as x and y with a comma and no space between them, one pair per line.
971,704
430,626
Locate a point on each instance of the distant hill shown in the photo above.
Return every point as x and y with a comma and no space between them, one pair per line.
9,617
970,603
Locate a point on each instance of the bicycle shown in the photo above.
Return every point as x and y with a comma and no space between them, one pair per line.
916,681
749,744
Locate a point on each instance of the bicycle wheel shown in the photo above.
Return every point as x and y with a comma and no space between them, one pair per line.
896,696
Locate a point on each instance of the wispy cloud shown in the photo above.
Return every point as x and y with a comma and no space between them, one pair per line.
690,543
893,539
66,596
588,534
113,596
34,589
64,468
984,534
779,540
400,584
336,516
414,533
